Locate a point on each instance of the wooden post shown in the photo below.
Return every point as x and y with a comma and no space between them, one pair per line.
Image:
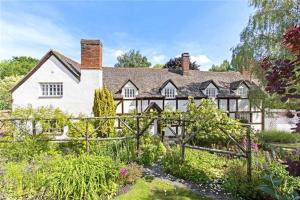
249,154
138,135
182,142
33,127
87,136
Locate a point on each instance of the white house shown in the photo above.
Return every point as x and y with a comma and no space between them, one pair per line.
62,82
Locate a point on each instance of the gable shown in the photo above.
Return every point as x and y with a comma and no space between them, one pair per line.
67,63
168,84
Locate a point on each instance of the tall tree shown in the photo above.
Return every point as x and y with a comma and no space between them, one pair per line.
223,67
175,63
17,66
104,106
283,75
5,95
263,33
158,66
132,58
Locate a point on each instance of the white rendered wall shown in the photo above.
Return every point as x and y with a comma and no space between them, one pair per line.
223,104
232,104
243,105
77,95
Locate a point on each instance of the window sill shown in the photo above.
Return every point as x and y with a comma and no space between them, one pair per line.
50,97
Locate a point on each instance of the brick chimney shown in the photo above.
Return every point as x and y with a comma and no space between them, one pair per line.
91,54
246,75
185,63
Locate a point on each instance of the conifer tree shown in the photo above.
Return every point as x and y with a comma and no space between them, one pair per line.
104,106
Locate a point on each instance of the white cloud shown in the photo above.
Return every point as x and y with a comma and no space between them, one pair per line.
203,60
158,59
31,35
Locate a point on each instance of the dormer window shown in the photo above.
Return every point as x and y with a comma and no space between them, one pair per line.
129,93
170,92
211,92
129,90
168,89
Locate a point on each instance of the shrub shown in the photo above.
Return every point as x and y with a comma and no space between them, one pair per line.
17,181
123,150
31,147
236,182
278,136
83,177
206,121
69,177
152,150
131,173
198,166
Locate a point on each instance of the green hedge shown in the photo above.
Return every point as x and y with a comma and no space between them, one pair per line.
278,137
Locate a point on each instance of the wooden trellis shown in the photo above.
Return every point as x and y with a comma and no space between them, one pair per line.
141,127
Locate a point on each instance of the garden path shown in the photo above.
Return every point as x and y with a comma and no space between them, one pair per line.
212,190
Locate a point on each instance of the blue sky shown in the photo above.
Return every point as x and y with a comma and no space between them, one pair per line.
159,29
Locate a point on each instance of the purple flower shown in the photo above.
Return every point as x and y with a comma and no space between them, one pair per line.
123,172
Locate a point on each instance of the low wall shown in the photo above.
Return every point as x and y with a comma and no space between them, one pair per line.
277,120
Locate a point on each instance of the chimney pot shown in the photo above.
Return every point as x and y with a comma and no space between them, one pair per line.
91,54
185,63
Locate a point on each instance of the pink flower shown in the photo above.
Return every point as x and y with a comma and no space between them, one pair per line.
123,172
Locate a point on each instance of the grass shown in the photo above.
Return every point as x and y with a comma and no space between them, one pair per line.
290,145
157,189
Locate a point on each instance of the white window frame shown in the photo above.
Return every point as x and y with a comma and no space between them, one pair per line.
211,92
51,89
169,92
242,91
129,93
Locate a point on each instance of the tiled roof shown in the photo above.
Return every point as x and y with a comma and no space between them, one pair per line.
150,80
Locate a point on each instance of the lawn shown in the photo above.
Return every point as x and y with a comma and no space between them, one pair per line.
288,145
148,189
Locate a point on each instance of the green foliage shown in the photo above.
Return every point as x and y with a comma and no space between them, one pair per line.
31,147
236,181
262,100
132,58
83,177
104,106
207,120
6,84
223,67
17,181
158,66
17,66
123,150
132,172
199,166
263,33
68,177
152,150
278,136
278,184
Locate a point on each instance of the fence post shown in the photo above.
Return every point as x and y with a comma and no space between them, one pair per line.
138,135
87,149
182,142
249,154
33,122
